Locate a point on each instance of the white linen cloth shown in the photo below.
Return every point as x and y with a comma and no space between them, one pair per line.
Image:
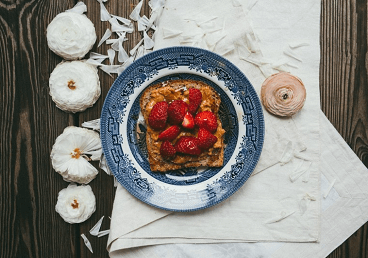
344,210
266,197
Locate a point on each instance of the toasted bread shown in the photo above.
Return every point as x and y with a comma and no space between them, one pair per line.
175,90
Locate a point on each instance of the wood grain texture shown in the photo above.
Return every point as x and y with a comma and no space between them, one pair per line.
343,88
30,123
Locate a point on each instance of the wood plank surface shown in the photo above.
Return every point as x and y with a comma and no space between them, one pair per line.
344,89
30,122
29,225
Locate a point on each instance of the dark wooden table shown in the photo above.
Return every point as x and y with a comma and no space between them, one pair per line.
30,121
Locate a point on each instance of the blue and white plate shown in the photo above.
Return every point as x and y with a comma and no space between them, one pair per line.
123,130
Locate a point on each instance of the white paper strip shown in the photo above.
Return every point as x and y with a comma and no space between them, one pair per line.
135,13
109,69
105,37
79,8
191,41
148,42
117,27
96,56
111,54
300,170
285,66
146,51
93,124
96,228
125,65
213,29
121,28
115,45
157,7
227,50
212,41
104,14
287,154
266,70
134,49
305,176
87,243
140,52
282,61
283,215
94,62
103,233
143,23
252,43
298,44
121,34
301,155
304,202
156,4
169,33
123,20
154,16
111,41
103,165
122,56
208,20
242,50
252,61
290,52
281,68
192,36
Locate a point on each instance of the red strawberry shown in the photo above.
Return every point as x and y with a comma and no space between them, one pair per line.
158,116
207,120
188,121
195,99
176,111
167,150
187,145
170,133
206,139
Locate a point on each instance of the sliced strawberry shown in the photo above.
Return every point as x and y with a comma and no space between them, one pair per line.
188,121
192,108
176,111
206,139
158,116
195,99
188,145
170,133
167,150
207,120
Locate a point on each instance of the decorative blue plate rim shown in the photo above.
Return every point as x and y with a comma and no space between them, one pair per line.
114,119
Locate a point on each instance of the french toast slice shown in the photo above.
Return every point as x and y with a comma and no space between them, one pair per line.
179,90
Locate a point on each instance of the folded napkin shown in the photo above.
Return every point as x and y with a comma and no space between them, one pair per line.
344,210
281,201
